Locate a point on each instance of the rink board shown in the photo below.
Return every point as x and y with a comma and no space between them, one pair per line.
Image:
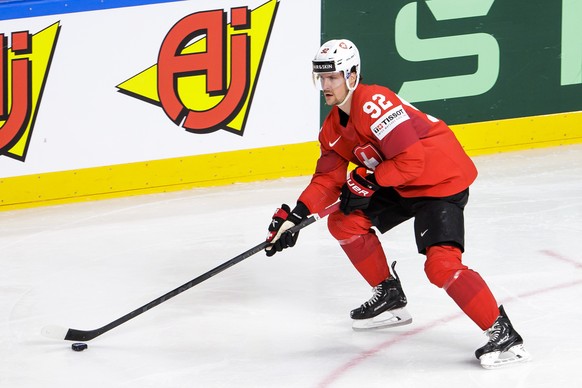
102,115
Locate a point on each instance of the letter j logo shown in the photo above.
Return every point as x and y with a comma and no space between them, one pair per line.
207,68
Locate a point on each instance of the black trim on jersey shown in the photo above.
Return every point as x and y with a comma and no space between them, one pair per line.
343,118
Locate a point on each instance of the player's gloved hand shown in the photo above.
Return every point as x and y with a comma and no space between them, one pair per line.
283,219
358,190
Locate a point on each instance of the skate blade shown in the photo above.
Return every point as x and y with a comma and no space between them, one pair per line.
514,355
392,318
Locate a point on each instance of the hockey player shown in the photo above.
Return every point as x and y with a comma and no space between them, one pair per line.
409,165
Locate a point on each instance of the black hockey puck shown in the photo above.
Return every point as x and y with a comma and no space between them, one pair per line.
78,346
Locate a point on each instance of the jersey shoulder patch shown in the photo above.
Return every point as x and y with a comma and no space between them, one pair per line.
388,121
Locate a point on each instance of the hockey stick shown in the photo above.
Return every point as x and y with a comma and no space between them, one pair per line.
58,332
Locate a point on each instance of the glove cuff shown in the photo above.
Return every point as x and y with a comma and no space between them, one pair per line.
282,212
372,178
368,181
298,213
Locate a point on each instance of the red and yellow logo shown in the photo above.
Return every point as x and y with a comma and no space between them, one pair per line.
207,69
23,73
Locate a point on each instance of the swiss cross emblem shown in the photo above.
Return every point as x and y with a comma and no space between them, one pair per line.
368,156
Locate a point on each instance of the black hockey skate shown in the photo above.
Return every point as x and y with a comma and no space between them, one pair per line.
505,345
386,308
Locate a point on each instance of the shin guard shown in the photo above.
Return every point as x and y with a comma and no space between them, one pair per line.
465,286
471,293
366,254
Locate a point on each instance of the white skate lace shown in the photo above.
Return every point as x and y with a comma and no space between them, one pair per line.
377,293
495,332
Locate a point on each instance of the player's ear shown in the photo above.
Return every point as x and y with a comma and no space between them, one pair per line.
353,78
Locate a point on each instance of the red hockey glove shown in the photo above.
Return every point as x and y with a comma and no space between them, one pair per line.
358,190
282,220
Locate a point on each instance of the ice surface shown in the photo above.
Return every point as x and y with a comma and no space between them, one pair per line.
284,321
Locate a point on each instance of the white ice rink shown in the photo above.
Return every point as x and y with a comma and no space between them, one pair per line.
284,321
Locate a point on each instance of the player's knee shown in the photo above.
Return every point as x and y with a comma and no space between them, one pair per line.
344,227
442,263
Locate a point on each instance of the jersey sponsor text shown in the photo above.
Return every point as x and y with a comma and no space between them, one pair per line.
390,120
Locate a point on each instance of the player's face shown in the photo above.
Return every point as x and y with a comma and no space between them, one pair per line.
333,86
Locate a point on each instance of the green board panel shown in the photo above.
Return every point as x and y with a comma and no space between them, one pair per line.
468,61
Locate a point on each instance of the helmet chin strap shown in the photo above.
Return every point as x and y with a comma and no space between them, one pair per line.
348,95
350,92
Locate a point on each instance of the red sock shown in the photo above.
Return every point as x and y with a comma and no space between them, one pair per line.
366,254
444,268
468,289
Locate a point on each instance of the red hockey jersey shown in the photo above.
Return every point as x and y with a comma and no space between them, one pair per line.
407,149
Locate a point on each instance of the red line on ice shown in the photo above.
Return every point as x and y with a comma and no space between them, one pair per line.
363,356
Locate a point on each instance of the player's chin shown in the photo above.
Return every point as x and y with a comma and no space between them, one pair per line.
330,99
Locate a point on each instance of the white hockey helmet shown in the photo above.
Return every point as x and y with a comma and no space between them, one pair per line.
337,55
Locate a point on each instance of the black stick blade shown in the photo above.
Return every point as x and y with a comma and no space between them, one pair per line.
61,333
